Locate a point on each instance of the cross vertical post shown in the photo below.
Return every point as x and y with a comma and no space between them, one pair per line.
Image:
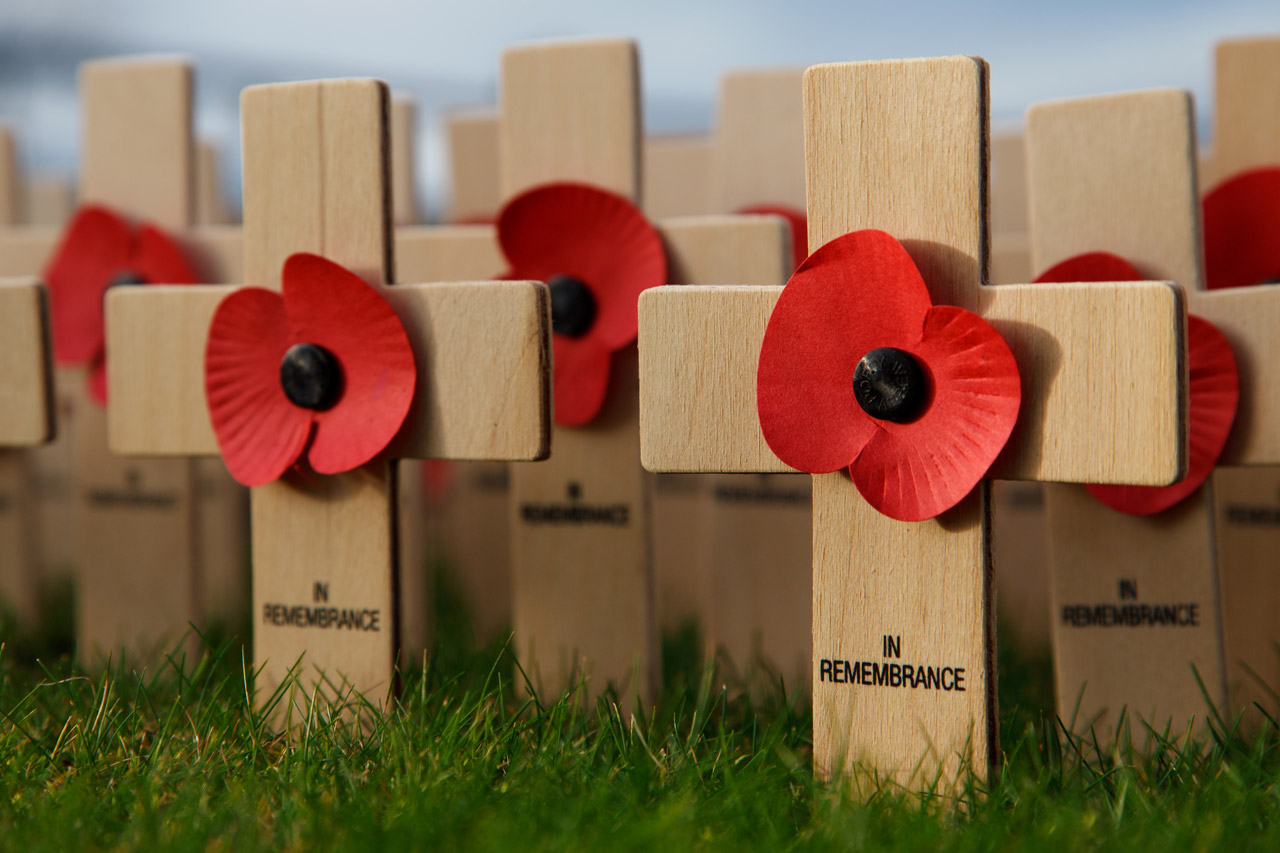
901,146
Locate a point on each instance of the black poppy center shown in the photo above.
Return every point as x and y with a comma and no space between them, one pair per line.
126,276
573,308
889,385
310,376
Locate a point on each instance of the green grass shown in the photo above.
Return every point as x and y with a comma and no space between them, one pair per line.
466,760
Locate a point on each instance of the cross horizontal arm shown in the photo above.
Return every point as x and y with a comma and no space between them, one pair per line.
1100,366
26,393
482,390
24,251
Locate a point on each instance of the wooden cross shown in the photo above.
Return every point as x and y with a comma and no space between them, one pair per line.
901,146
137,546
583,592
315,180
760,526
1020,550
1246,124
1132,191
26,420
19,576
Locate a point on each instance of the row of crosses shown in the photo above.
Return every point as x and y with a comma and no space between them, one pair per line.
316,181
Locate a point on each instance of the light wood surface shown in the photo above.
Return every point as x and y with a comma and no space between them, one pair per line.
1117,174
26,377
138,567
48,200
11,212
404,190
677,176
211,202
569,111
759,139
873,577
582,593
1246,105
476,188
1019,540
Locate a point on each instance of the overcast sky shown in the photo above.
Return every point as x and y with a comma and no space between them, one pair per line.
446,53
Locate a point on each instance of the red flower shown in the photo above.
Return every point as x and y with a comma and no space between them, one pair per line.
860,369
799,223
1214,392
597,252
1242,230
99,249
326,361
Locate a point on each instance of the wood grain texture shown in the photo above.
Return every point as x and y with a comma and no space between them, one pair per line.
151,174
1168,558
582,593
475,185
1019,540
677,176
26,372
404,189
1117,174
1247,104
211,202
570,112
759,139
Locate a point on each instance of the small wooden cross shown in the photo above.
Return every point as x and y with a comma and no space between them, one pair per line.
760,526
583,592
137,540
315,180
902,146
1020,550
26,420
1139,201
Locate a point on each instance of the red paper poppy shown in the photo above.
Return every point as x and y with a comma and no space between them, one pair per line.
262,430
597,252
799,223
1242,230
853,296
1214,392
99,248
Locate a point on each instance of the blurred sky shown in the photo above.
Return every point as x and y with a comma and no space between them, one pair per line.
446,54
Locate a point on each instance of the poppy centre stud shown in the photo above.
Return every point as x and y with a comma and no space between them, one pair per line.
573,308
126,276
889,385
311,377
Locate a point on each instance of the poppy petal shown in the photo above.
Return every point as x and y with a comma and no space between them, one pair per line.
260,432
580,379
799,223
1214,392
1242,230
94,247
596,236
920,469
159,259
333,307
854,294
1214,395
